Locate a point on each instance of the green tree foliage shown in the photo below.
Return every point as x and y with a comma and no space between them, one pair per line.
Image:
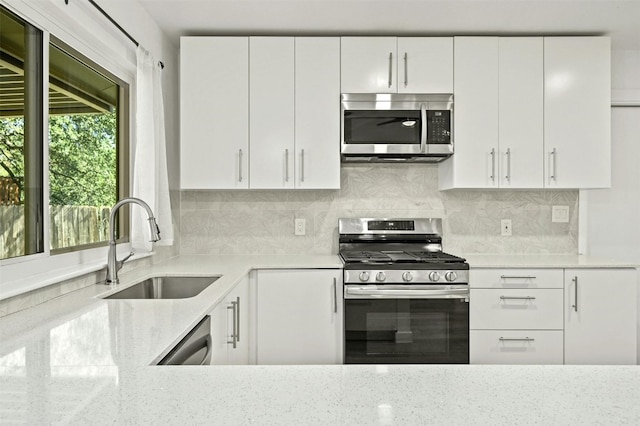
82,157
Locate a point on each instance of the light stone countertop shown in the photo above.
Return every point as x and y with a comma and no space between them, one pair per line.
543,261
80,359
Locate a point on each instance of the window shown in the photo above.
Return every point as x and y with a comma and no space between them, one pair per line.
21,137
87,145
87,106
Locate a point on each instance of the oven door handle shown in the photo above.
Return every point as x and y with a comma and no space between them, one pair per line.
363,293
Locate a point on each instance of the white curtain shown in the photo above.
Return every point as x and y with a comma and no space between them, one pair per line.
150,178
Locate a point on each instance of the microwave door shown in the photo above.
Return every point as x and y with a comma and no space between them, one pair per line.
383,131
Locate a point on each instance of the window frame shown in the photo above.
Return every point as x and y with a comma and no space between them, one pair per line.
117,55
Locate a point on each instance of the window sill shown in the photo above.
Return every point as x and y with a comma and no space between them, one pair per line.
42,280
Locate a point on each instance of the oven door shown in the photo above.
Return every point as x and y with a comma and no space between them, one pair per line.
406,324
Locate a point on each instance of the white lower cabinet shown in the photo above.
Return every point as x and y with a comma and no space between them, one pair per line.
299,318
600,316
516,316
230,327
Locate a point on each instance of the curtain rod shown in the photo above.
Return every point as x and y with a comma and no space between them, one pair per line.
113,21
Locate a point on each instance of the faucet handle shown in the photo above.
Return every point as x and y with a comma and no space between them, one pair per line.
125,258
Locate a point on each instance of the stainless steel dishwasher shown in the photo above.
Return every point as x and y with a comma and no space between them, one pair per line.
194,348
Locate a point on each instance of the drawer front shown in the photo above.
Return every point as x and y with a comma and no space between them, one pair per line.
515,347
538,309
516,278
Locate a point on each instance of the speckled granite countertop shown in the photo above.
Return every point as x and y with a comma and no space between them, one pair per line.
80,359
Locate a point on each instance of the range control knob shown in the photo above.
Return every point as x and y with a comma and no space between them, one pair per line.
380,276
434,276
407,276
450,276
364,276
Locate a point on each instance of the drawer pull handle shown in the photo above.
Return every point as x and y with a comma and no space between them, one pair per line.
517,298
516,339
513,277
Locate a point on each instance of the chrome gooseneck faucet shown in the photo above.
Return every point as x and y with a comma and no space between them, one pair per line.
114,265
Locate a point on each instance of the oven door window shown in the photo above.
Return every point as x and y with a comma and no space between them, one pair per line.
415,331
382,127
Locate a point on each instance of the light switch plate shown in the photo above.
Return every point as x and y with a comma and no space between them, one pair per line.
560,214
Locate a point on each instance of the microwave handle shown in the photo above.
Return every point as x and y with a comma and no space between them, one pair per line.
423,136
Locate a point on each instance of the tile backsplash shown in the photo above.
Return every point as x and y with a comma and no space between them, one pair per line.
262,222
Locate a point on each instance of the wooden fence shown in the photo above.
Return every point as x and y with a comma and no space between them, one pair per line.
70,226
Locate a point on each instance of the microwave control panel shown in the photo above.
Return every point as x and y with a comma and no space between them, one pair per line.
439,126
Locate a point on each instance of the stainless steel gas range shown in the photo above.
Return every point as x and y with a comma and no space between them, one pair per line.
406,301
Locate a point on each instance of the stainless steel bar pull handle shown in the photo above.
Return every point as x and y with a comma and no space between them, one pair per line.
406,69
517,298
286,165
237,331
335,295
424,130
575,300
508,154
239,165
302,165
554,162
524,277
233,340
516,339
493,164
390,69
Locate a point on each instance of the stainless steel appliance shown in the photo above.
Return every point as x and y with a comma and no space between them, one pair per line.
406,301
396,127
194,349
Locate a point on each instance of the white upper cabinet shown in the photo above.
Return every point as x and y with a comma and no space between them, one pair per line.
397,64
474,163
317,123
577,112
368,65
271,112
425,65
260,112
214,112
530,112
520,117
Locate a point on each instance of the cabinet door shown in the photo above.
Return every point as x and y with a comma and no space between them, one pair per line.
425,65
577,112
475,162
220,334
600,316
299,317
368,65
214,112
271,100
521,112
317,126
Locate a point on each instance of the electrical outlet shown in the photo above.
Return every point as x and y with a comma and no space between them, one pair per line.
560,214
505,227
300,225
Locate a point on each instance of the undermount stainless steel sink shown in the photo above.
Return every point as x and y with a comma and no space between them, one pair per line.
171,287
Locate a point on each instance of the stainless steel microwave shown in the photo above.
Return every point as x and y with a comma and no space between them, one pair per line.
396,127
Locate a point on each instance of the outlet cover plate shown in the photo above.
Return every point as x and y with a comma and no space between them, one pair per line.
560,214
505,227
300,227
